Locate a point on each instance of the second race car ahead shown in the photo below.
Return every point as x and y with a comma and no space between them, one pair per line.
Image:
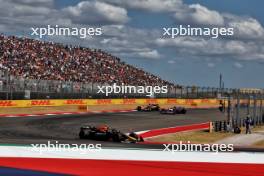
104,133
173,110
149,107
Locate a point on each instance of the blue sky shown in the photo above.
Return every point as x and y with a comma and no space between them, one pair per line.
134,33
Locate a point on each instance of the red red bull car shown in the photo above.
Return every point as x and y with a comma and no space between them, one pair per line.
104,133
149,107
173,110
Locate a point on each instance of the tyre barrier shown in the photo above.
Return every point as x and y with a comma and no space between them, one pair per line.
220,126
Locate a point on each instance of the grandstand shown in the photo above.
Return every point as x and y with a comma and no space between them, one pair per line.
34,59
53,70
46,68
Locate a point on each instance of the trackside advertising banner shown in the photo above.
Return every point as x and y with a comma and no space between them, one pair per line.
91,102
67,102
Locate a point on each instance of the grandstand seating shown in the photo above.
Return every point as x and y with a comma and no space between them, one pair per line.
39,60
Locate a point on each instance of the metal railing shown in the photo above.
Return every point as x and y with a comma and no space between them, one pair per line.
12,87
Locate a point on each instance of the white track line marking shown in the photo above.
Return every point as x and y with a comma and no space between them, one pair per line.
135,154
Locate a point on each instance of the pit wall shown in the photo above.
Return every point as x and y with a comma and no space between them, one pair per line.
199,103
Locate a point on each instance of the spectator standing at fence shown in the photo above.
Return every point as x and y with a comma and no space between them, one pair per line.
248,122
228,127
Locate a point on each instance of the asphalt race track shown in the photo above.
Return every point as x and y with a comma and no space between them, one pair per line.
65,128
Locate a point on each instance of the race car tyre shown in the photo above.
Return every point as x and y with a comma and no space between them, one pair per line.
162,111
183,111
116,137
139,108
141,139
81,134
237,130
157,108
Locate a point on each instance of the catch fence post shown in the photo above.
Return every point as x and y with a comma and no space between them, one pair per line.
255,110
237,111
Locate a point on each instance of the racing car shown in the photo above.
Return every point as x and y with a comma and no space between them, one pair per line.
105,133
173,110
149,107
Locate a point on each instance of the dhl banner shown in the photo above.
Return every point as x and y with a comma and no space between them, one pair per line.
91,102
244,102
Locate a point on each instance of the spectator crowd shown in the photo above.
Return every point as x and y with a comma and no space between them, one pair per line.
34,59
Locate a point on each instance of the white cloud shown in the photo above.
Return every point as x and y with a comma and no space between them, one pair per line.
238,65
211,65
120,39
200,47
197,14
17,16
194,13
129,42
46,3
14,9
149,5
171,62
246,27
153,54
26,10
93,12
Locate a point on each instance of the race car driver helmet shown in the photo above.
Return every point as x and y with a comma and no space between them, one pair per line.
103,128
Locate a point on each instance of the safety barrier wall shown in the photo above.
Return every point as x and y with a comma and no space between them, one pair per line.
91,102
243,102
